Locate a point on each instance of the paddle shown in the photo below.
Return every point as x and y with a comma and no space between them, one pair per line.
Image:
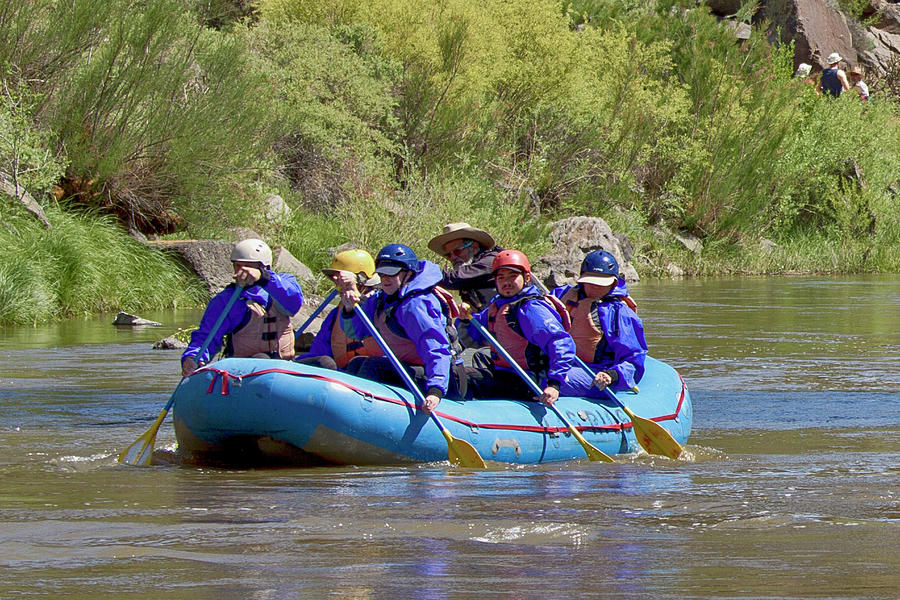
592,452
316,312
140,451
653,437
459,452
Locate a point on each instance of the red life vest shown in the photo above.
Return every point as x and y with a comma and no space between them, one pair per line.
503,323
266,332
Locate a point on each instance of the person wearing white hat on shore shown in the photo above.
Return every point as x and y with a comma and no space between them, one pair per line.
833,79
471,253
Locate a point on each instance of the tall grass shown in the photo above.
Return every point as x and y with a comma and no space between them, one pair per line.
84,265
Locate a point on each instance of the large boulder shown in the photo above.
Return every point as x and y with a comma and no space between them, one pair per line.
884,49
573,238
816,29
211,261
888,15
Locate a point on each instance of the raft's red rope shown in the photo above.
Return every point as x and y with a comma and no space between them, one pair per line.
533,428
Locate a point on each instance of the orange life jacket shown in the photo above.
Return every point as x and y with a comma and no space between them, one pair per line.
503,323
586,327
344,348
266,331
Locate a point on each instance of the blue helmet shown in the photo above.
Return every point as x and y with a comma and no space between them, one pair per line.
600,268
394,258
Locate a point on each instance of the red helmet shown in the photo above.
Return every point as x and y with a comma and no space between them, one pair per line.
511,259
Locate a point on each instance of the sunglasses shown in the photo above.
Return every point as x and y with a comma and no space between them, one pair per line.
461,247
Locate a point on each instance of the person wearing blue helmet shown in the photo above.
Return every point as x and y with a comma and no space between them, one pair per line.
608,334
413,315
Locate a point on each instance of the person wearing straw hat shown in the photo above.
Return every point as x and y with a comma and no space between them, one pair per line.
833,79
332,348
859,85
471,252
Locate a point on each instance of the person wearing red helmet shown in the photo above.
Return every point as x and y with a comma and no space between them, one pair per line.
531,329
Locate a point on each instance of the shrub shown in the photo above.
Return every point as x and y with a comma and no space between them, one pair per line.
335,108
24,147
83,265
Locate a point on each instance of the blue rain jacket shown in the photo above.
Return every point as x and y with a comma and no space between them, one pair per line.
282,288
623,346
542,326
419,314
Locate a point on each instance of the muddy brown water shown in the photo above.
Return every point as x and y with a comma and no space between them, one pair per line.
791,490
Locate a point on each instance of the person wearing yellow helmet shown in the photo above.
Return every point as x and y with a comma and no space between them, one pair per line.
260,326
332,348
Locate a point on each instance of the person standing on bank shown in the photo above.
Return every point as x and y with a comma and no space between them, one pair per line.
608,334
258,327
833,79
332,348
413,317
531,329
471,253
858,84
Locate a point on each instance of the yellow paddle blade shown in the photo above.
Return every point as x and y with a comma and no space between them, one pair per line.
461,453
140,452
653,437
592,452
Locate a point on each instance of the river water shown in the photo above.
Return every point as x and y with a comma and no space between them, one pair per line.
791,490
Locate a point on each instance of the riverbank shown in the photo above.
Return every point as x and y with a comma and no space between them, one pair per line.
87,265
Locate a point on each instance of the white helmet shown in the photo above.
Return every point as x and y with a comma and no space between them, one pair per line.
252,251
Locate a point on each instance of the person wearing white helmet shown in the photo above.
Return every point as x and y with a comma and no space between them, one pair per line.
833,79
260,325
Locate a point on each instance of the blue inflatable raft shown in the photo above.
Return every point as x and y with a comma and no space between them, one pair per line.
257,412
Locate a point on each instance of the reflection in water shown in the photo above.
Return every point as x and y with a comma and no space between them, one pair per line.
790,492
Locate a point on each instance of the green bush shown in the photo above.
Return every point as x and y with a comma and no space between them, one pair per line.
335,109
142,100
25,156
84,265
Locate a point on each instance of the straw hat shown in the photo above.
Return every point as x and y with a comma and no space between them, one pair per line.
834,57
856,71
456,231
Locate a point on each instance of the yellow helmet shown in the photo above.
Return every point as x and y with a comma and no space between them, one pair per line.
356,261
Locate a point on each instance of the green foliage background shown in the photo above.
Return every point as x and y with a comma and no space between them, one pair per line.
381,120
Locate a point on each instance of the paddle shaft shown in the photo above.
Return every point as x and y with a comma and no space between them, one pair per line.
592,452
316,312
140,452
401,370
211,335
